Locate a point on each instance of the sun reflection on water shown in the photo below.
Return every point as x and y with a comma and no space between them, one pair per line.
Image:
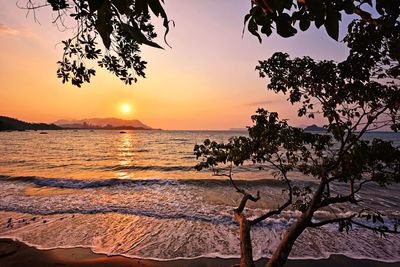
125,155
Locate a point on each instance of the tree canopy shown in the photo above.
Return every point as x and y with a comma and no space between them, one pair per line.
123,27
283,15
111,32
355,96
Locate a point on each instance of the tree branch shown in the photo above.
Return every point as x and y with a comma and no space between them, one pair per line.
375,229
281,208
244,200
335,220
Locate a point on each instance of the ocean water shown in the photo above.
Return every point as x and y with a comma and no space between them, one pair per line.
137,194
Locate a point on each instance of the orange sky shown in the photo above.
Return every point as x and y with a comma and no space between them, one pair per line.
206,81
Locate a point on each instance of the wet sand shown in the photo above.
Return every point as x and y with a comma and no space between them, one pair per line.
17,254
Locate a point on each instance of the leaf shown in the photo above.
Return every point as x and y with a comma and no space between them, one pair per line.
246,18
288,4
304,24
253,28
266,29
122,6
349,7
284,26
278,5
156,7
136,35
95,5
103,23
140,7
332,23
319,21
158,10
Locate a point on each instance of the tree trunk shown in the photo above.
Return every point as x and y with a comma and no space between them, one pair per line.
282,252
246,250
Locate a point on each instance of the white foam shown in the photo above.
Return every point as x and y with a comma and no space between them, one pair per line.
160,239
167,221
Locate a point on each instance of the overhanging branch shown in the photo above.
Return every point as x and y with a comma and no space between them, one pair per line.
330,221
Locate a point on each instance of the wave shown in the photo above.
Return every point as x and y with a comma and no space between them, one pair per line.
83,183
68,183
211,255
171,215
151,239
148,168
172,168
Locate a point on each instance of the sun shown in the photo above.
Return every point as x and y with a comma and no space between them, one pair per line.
126,108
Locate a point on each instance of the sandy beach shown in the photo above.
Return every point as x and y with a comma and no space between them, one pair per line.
17,254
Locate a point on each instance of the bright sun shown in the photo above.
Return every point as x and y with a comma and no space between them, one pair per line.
125,108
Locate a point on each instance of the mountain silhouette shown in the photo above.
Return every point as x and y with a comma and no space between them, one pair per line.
93,123
11,124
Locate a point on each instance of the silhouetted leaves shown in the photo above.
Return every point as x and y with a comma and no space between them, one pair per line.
103,23
355,96
304,24
332,23
58,4
123,26
264,14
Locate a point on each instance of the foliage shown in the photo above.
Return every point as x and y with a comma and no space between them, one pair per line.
339,156
285,14
123,26
355,96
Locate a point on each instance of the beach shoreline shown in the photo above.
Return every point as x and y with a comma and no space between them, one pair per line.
15,254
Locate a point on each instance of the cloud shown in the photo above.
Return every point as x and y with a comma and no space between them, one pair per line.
5,30
261,103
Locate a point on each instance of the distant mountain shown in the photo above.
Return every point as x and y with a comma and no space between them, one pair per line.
11,124
314,128
103,123
238,129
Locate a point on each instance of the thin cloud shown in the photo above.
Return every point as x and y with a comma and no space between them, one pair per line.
261,103
17,32
7,31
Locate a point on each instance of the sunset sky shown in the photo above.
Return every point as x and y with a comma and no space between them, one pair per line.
206,81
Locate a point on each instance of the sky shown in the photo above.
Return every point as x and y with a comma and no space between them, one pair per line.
206,81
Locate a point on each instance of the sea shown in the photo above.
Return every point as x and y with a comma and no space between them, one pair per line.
137,194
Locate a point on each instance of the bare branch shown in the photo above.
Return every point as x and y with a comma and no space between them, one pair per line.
282,207
375,229
245,198
270,213
330,221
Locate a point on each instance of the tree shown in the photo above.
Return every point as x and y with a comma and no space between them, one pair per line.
123,26
286,13
355,96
